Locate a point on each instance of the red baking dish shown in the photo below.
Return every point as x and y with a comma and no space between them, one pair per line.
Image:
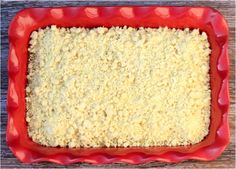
204,18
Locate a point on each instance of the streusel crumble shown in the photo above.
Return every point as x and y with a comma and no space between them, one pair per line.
118,87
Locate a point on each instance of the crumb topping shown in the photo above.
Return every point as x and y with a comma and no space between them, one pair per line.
118,87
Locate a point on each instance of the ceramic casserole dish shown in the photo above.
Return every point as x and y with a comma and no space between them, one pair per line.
204,18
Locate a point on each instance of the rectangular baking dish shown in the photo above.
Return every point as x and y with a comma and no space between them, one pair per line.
204,18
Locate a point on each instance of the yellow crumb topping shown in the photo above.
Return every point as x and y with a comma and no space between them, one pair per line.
118,87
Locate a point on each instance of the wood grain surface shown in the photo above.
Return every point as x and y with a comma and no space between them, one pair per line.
9,9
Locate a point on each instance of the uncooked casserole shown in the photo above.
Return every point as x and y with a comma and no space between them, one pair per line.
118,87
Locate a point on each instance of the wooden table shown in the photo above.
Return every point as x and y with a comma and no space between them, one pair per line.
9,9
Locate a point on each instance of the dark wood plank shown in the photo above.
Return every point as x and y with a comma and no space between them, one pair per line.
9,9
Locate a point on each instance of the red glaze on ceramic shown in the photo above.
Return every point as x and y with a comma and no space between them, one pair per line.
204,18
